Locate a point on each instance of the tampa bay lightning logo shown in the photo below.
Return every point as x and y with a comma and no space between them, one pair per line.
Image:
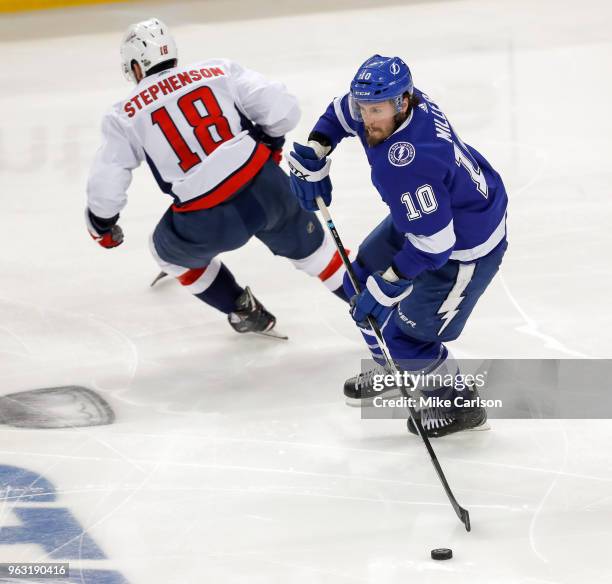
395,68
401,153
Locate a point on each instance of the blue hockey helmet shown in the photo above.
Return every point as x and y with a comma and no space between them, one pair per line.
379,79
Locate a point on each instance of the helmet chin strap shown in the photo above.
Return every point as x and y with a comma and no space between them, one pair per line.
398,100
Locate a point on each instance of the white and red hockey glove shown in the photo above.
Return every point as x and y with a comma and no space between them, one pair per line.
105,231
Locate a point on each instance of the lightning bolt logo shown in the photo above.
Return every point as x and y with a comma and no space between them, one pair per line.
450,306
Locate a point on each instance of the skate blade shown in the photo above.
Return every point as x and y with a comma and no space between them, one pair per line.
272,334
359,403
159,277
353,402
481,428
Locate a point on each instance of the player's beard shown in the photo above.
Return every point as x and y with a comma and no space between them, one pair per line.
378,137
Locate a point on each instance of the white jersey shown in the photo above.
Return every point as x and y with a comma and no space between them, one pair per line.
188,124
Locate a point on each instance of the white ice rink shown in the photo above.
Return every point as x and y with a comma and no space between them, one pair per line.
233,459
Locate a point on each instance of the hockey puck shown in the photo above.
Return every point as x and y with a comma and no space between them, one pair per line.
441,554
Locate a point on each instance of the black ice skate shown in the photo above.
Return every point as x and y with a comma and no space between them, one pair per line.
437,423
251,316
360,390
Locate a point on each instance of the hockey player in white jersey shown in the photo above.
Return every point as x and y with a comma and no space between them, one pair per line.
211,133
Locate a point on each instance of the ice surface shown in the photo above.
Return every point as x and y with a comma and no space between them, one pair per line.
234,459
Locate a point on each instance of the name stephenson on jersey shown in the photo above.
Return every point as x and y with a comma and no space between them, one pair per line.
188,123
442,193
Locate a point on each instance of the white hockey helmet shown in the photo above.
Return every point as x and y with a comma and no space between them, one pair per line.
148,43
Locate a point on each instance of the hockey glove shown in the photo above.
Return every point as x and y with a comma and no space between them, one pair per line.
274,144
105,231
380,296
309,176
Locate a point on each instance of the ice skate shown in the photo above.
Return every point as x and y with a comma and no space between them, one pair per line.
361,389
251,316
438,423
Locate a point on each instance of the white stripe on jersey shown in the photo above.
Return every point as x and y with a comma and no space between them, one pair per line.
468,255
438,242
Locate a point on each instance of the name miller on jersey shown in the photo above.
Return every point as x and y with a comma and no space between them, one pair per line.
167,86
443,129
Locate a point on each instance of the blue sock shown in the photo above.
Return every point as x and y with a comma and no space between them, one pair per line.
223,292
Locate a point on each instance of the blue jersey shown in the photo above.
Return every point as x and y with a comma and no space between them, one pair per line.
442,193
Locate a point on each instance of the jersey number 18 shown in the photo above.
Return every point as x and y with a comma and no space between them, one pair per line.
201,126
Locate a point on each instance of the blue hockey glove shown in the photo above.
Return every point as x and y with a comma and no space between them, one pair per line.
309,177
379,297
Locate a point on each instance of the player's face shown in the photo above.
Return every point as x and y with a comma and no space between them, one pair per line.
380,120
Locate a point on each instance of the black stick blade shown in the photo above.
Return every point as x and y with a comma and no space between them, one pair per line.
464,515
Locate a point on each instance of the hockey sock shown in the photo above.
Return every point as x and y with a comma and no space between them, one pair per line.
223,291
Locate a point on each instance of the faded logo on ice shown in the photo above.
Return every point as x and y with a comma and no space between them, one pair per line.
32,515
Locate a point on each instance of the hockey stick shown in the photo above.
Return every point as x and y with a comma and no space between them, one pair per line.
462,513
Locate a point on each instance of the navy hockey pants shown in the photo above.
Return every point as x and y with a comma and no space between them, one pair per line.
186,245
438,306
265,208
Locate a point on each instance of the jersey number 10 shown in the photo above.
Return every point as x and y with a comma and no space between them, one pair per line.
201,126
427,202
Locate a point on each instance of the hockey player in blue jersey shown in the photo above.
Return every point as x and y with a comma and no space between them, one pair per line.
423,268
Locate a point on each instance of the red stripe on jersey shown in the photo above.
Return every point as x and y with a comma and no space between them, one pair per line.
332,267
190,276
230,185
